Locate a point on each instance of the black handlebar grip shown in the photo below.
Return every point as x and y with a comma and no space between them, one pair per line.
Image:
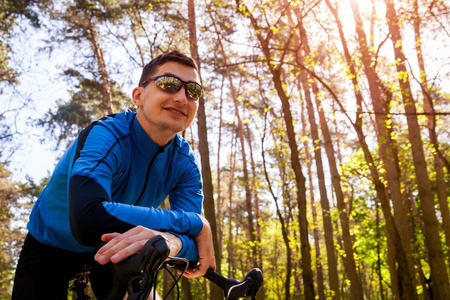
139,266
234,289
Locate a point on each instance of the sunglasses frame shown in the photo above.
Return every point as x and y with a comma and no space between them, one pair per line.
183,83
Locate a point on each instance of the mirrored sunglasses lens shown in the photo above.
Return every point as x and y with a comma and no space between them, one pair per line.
194,90
168,83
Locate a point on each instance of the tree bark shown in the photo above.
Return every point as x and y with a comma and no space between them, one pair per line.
284,230
319,268
308,280
439,274
390,161
219,181
208,190
230,246
107,94
240,127
317,148
186,287
259,249
441,183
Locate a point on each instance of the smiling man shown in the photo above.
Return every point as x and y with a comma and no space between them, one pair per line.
109,184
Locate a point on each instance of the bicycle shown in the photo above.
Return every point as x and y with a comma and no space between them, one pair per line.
137,275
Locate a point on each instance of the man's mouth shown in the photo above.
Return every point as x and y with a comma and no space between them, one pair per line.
176,111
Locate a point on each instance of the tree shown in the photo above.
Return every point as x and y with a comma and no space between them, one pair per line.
439,274
308,281
301,46
388,153
208,192
85,106
429,108
10,13
10,236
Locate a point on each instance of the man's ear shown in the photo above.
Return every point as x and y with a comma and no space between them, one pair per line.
137,96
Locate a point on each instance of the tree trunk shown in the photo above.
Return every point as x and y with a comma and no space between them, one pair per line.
167,284
380,277
259,249
107,95
300,180
388,152
284,230
219,187
186,287
441,183
326,214
230,246
208,190
319,268
308,280
439,274
248,194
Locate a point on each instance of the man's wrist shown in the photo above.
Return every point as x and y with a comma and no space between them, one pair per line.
175,243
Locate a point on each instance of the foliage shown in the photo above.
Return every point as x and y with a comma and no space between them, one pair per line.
84,107
10,13
9,236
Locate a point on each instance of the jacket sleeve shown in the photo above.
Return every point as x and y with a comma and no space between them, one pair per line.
187,195
91,211
92,215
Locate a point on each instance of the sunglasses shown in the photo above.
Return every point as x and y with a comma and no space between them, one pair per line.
173,84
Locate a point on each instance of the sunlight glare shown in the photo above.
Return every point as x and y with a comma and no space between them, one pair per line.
365,9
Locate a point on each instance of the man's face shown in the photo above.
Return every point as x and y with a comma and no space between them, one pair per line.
162,114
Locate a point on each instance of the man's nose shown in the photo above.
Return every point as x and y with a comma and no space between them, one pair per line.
180,96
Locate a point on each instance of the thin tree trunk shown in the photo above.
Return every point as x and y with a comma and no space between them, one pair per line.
319,268
326,214
380,277
284,230
230,246
208,190
248,194
393,234
167,284
388,152
219,187
259,249
439,274
186,287
429,109
308,280
107,95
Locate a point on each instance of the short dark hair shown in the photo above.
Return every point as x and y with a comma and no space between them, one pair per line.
150,68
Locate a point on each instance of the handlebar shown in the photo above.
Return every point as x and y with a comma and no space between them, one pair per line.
136,274
234,289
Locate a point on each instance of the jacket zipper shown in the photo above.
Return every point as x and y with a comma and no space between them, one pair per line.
160,150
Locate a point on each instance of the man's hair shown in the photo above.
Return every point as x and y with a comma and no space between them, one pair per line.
151,68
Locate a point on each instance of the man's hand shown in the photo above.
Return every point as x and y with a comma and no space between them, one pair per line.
120,246
205,251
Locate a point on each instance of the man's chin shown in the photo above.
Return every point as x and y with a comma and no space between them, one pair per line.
175,128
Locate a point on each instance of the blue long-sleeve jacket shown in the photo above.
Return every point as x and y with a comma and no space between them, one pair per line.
112,178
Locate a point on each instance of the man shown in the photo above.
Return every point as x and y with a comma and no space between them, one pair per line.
109,183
